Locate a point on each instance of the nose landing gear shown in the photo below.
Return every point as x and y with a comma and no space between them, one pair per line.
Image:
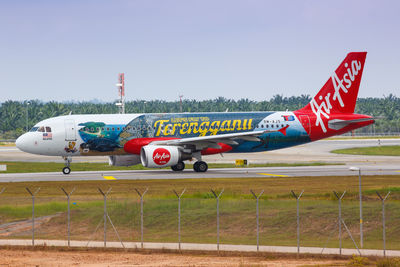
67,169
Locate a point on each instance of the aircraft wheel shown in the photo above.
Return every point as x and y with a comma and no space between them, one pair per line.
66,170
178,167
200,166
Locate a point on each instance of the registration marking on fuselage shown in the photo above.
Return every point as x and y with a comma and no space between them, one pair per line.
275,175
109,178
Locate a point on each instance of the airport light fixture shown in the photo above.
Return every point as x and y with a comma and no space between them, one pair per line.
360,194
27,115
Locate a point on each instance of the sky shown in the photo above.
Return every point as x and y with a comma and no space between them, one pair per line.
73,50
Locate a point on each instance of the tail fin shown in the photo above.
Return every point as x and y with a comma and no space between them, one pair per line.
339,94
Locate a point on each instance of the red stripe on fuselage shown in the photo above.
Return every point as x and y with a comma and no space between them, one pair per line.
210,151
133,146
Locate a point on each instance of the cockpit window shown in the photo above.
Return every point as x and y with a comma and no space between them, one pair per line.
41,129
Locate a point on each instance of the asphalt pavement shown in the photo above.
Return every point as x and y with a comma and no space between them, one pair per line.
313,152
202,247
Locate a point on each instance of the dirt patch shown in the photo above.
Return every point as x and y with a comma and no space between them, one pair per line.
112,258
24,226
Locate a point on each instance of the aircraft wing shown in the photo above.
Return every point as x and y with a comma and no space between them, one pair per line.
211,141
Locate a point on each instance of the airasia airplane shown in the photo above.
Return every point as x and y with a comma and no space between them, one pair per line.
161,140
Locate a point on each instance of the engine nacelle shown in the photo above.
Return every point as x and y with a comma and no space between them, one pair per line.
153,156
124,160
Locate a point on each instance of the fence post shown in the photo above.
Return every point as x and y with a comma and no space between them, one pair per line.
383,221
2,190
257,217
68,216
298,218
141,213
217,196
179,215
340,219
105,213
33,212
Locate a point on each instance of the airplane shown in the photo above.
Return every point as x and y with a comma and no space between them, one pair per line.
168,140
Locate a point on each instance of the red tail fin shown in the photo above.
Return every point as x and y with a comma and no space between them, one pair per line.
339,94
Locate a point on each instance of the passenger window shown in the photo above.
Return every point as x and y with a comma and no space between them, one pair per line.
113,128
118,129
48,129
102,128
97,129
108,128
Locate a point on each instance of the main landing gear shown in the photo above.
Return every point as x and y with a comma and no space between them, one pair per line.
200,166
67,169
178,167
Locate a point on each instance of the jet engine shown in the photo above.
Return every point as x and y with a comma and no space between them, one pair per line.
154,156
124,160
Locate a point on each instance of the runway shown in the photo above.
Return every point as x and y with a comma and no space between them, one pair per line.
312,152
272,172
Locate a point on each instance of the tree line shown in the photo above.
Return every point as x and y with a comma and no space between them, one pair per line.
17,116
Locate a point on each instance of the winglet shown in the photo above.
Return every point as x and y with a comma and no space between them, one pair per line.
283,130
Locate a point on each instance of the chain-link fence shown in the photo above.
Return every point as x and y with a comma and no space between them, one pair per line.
207,218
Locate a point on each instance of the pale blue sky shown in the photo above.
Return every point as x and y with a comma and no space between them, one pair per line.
73,50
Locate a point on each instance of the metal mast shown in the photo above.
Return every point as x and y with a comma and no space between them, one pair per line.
121,92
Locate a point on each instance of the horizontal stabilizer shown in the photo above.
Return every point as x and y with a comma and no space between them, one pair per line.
338,124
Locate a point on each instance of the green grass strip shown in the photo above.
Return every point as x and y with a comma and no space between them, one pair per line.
374,150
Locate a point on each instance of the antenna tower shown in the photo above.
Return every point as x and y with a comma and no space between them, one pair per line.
121,92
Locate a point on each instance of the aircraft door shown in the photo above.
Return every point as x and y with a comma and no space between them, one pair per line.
70,133
305,121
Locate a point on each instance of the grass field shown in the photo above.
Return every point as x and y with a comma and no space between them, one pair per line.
7,144
237,210
364,137
25,167
374,150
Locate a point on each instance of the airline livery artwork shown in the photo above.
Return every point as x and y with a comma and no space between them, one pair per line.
108,139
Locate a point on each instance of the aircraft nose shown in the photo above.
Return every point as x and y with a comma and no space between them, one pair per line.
22,143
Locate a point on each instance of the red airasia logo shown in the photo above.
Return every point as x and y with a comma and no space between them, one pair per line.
161,156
